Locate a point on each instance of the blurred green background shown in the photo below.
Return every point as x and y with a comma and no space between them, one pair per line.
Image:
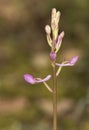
23,49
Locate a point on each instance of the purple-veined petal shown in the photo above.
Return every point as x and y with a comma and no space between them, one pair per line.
30,79
70,63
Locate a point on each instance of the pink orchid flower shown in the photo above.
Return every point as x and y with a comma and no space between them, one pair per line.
69,63
30,79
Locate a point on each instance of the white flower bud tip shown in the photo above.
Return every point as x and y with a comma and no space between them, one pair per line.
47,29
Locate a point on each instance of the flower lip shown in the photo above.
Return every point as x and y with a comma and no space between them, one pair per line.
30,79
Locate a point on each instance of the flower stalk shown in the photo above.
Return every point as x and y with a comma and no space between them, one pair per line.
54,98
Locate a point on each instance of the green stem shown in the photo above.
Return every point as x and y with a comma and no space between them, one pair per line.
54,98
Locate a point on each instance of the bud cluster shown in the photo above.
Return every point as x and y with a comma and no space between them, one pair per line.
56,40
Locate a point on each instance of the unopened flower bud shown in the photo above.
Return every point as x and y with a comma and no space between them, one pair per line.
58,14
54,22
53,11
59,41
47,29
53,56
60,37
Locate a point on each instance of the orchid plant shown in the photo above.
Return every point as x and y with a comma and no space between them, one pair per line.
54,41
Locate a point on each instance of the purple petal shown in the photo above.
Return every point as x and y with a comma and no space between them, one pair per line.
74,60
30,79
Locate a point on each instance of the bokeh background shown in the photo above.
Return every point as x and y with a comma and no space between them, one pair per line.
23,49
